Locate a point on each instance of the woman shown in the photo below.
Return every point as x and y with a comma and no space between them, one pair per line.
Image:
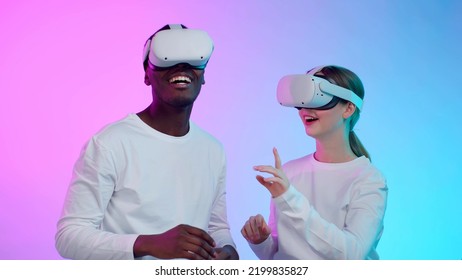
329,204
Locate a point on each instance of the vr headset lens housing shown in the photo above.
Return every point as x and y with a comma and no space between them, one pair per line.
173,46
307,91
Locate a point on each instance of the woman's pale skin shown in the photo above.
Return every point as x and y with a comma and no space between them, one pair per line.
330,128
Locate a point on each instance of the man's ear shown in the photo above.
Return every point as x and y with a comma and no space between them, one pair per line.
146,79
349,110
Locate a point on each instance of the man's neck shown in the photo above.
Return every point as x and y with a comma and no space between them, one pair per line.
173,122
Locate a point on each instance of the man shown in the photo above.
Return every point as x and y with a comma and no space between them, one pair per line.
152,185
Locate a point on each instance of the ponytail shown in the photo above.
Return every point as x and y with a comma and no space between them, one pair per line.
357,147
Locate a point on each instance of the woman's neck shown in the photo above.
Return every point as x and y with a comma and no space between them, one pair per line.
334,151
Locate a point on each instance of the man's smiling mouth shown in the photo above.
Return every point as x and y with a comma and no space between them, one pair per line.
180,80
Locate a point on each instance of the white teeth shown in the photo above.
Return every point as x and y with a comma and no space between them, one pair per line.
310,119
181,79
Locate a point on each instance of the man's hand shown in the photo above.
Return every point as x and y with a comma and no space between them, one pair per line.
256,230
226,253
182,241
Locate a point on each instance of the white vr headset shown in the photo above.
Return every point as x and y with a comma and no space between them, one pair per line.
179,45
308,91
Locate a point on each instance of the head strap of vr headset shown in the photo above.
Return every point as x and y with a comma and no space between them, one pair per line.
175,26
357,100
315,70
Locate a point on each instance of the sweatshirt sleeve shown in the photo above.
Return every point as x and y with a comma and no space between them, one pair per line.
363,223
269,247
79,234
218,226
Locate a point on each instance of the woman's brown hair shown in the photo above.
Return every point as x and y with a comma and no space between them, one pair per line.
349,80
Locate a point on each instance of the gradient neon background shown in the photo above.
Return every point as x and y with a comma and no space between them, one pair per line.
67,68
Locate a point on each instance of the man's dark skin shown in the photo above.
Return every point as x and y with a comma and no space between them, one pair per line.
174,91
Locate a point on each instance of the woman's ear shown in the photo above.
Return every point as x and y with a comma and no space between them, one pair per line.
349,110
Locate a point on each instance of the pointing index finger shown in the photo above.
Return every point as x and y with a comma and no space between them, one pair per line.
277,159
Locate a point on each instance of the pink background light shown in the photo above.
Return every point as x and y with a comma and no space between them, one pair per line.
69,68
